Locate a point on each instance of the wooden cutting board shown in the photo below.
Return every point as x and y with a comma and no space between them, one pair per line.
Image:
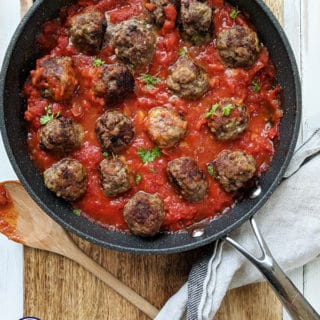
58,289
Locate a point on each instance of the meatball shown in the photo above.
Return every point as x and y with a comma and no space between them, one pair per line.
115,84
196,21
187,80
114,131
228,121
134,43
165,127
115,177
67,179
238,47
188,180
55,78
60,135
144,214
156,10
87,31
232,169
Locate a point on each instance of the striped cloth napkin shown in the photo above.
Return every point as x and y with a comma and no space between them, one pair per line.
290,224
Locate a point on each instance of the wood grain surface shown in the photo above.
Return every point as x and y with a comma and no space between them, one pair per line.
59,289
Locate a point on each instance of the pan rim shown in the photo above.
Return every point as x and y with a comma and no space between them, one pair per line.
145,250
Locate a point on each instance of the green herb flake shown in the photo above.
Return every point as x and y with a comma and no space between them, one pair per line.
226,110
182,52
147,156
138,178
105,154
97,62
234,13
77,212
149,80
256,85
213,110
49,116
210,169
152,170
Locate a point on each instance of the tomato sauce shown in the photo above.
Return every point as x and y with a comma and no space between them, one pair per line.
8,215
84,107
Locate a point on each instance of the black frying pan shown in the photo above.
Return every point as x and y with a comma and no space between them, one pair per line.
20,59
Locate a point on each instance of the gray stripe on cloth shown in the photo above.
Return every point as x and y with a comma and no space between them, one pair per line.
199,278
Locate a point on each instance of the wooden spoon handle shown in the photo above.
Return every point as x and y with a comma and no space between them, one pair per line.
110,280
37,230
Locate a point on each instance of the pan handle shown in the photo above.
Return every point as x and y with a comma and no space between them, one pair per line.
294,302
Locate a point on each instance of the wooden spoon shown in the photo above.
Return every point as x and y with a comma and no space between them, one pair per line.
26,223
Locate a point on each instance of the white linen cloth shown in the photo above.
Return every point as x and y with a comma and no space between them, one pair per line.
290,224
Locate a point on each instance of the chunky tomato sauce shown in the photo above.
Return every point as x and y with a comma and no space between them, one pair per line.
8,215
199,143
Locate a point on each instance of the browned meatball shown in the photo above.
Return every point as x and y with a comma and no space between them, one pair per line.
165,127
134,43
115,177
55,78
114,131
87,31
67,179
196,21
238,47
227,120
187,79
144,214
157,10
233,169
116,83
188,180
60,135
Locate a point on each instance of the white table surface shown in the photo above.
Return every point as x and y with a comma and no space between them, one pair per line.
302,24
11,254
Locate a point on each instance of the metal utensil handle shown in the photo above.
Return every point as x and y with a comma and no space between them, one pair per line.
294,302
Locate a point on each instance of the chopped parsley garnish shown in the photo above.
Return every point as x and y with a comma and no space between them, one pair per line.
147,156
149,80
226,110
212,111
210,169
256,86
97,62
182,52
105,154
77,212
49,116
138,178
234,13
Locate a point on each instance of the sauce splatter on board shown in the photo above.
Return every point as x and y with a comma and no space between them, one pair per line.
8,215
